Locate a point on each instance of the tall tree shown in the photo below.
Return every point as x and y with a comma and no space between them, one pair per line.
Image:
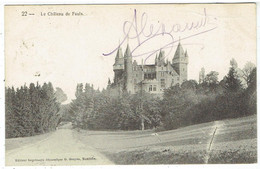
233,84
60,95
247,70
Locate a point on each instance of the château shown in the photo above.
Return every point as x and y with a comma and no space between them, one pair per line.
153,78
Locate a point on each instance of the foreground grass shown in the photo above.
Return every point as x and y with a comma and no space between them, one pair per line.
183,157
224,153
157,157
235,141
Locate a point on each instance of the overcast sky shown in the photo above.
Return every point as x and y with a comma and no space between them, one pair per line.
67,50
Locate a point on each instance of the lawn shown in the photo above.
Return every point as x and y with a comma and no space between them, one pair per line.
235,141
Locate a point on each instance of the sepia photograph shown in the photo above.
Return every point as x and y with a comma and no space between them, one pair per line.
130,84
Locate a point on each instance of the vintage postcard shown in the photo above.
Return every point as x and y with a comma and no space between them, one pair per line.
130,84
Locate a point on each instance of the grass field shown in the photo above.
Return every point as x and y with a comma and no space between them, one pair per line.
234,141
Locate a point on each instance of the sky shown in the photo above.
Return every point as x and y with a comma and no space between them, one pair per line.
66,49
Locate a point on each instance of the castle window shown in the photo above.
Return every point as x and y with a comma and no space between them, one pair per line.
162,83
178,78
150,88
154,88
162,74
162,68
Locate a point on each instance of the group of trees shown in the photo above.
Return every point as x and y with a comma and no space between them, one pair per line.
97,110
181,105
191,103
32,110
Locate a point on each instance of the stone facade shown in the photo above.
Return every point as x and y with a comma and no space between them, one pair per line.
130,76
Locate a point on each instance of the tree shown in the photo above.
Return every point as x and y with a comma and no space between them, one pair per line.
233,84
77,110
79,90
233,63
60,95
230,104
176,104
212,78
11,118
247,70
152,112
251,94
189,85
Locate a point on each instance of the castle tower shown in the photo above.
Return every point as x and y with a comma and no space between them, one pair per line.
118,66
180,62
202,75
129,86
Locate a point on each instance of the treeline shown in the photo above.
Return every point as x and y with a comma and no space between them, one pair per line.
31,110
181,105
193,103
106,110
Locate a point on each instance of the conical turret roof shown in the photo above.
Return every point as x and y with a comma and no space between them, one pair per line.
119,53
179,52
156,59
161,55
127,51
186,54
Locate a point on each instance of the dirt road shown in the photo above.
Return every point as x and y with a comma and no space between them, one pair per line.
60,148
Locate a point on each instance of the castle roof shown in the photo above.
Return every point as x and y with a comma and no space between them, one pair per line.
179,52
161,55
127,51
174,73
186,54
119,53
119,60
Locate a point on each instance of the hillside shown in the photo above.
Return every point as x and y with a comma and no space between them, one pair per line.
235,141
